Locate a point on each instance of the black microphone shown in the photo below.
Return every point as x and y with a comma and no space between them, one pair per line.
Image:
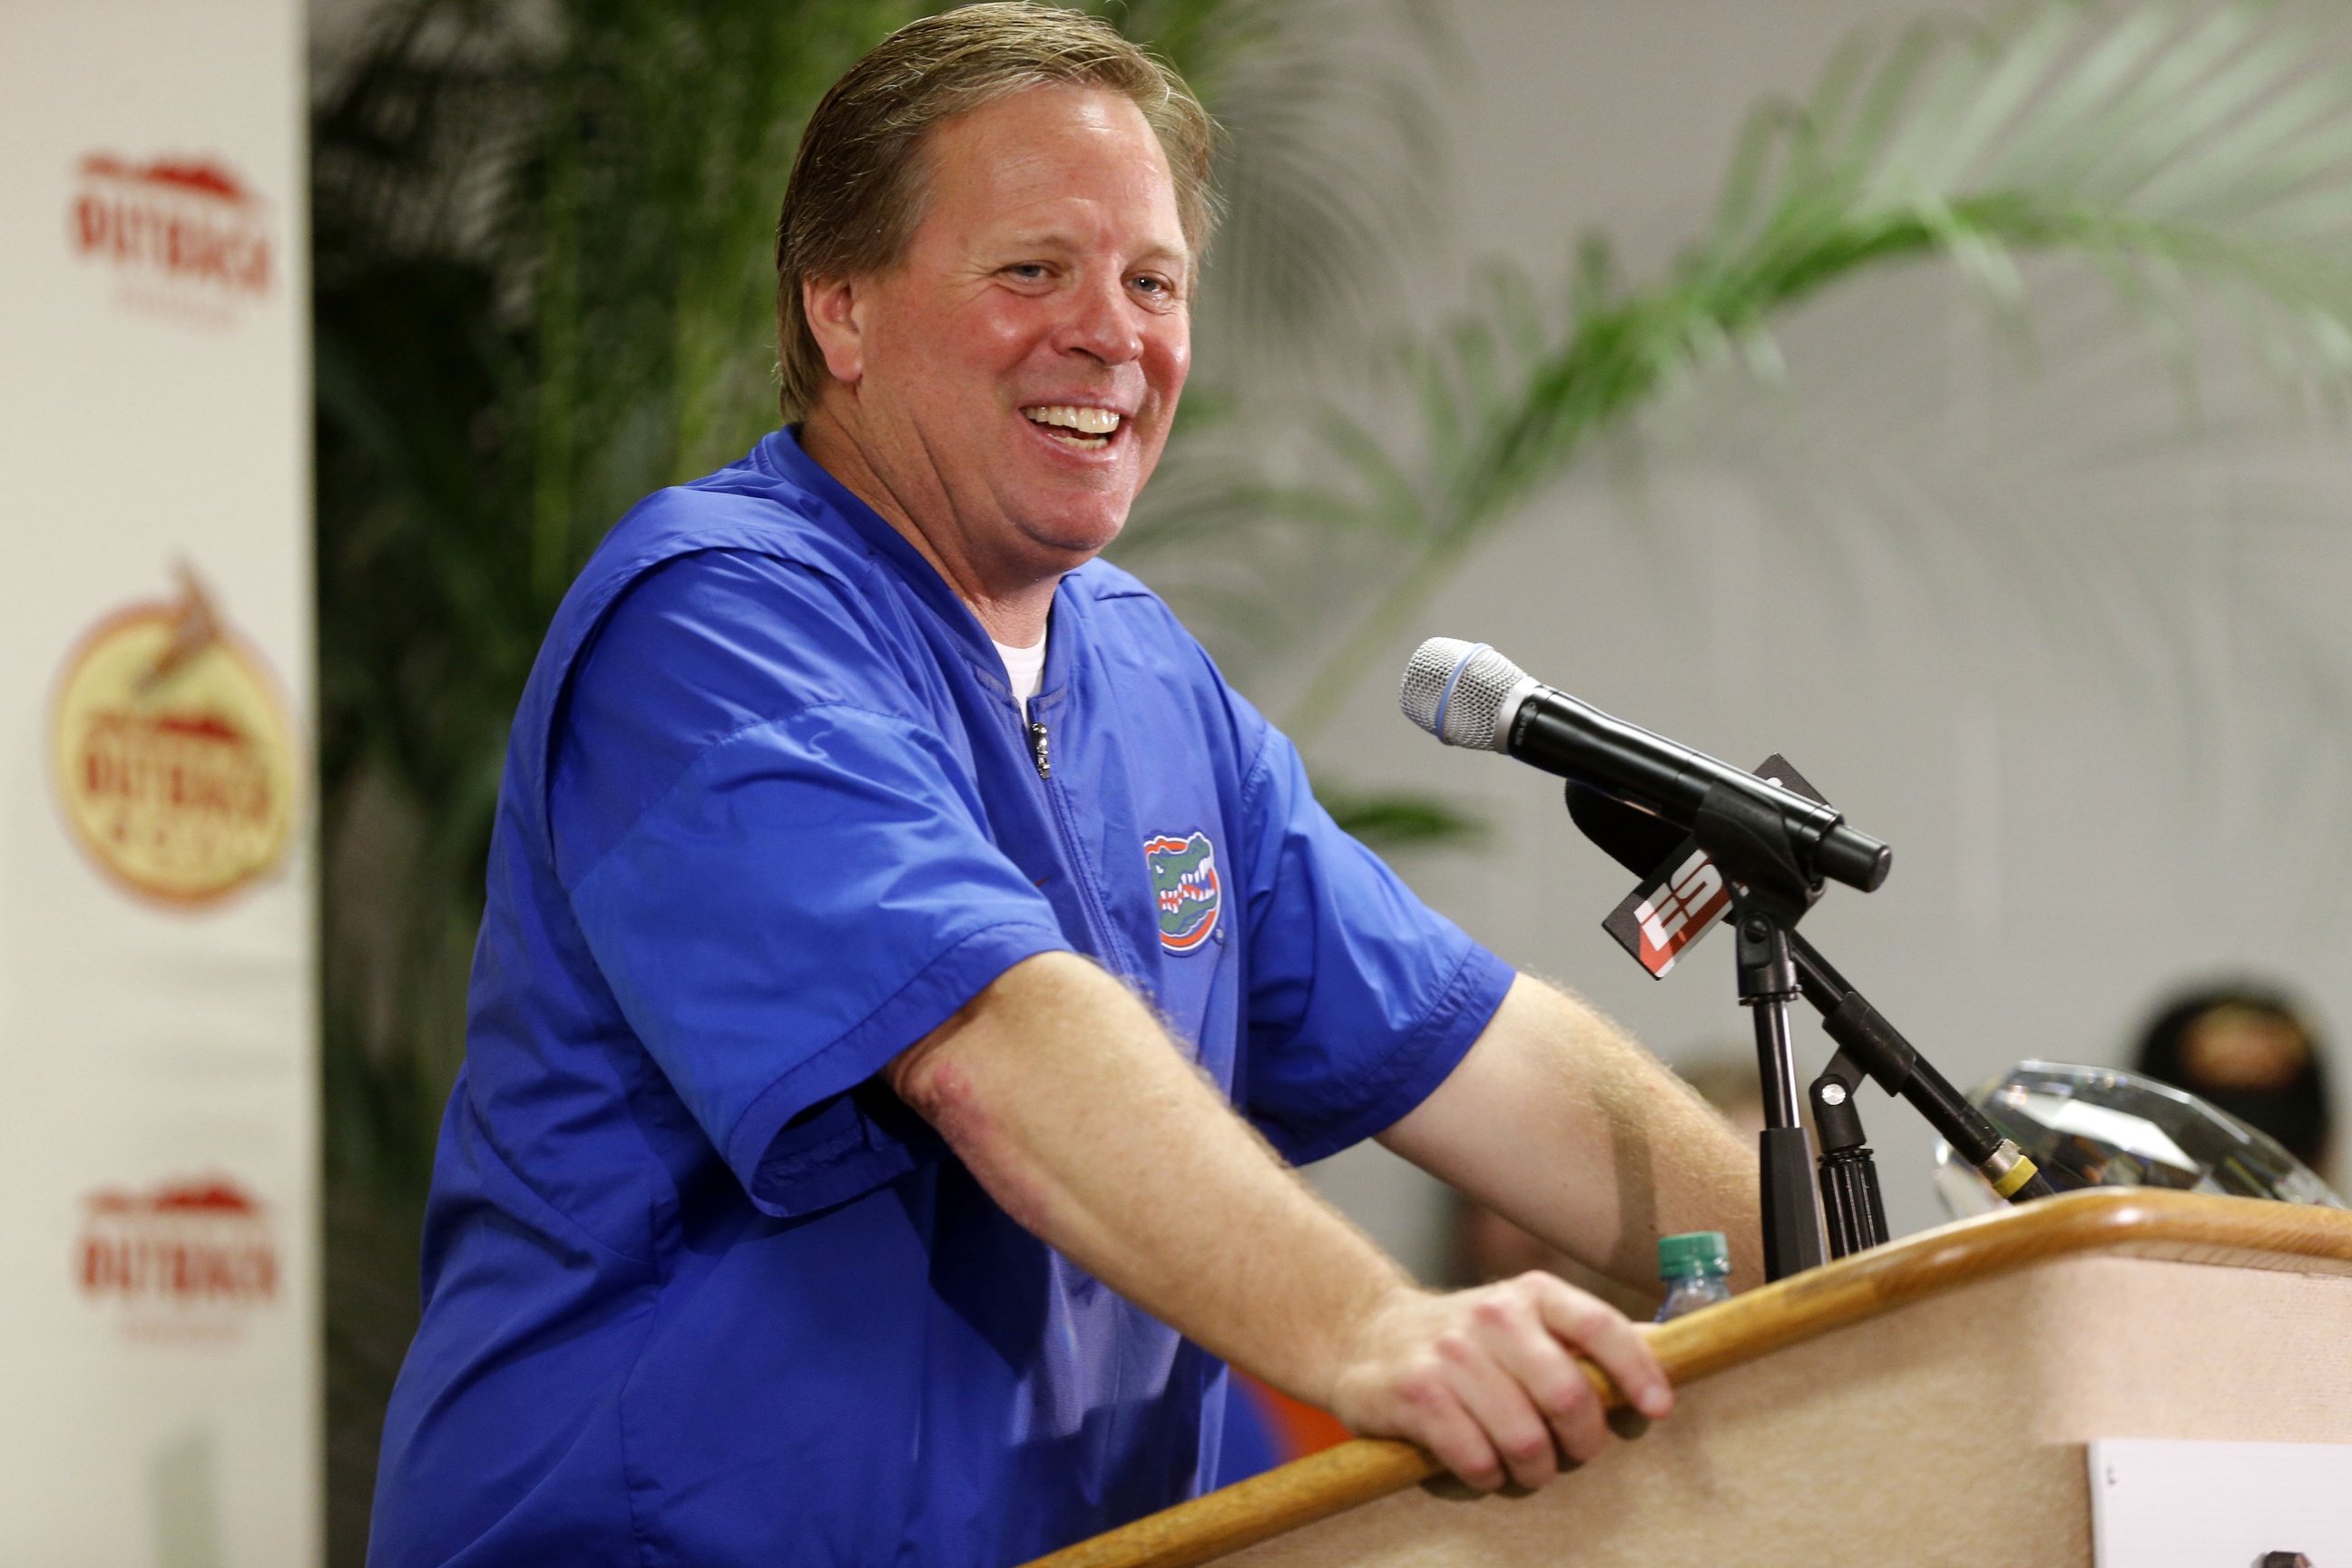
1466,694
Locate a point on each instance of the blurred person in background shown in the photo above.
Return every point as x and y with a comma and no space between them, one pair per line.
2249,1050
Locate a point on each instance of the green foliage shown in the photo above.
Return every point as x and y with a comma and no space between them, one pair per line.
2174,148
1395,820
655,183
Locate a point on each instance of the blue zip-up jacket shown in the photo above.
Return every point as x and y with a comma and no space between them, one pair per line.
698,1289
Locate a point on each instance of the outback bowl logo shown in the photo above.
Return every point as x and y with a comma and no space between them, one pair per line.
184,1260
173,759
1184,881
182,235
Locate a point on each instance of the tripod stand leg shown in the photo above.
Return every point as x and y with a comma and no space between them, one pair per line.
1792,1222
1852,1210
1855,1217
1792,1227
1866,1039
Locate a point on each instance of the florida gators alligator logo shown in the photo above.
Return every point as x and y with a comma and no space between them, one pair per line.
1184,881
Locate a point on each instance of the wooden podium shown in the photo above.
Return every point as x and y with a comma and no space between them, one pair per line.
1924,1402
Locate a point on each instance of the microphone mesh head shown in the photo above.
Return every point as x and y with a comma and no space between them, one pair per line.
1455,691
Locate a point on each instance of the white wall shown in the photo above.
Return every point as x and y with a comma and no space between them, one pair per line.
2077,654
158,1259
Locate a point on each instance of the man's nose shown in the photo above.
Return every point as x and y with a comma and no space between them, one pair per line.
1102,322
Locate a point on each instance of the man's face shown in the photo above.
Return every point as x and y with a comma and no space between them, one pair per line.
1015,374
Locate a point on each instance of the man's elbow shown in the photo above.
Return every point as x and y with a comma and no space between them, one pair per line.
959,1081
947,1076
1000,1074
929,1076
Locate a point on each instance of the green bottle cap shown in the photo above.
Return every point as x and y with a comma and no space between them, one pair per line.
1693,1252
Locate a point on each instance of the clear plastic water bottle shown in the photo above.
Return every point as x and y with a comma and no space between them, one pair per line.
1696,1269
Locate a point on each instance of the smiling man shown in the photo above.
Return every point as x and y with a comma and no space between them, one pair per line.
909,971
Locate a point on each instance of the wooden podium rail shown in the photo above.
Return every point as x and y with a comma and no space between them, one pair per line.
2137,1222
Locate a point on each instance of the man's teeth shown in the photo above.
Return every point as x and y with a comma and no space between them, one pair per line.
1085,421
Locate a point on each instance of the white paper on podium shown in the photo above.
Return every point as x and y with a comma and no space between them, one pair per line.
2173,1503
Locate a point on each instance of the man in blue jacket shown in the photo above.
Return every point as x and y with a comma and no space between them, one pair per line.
909,971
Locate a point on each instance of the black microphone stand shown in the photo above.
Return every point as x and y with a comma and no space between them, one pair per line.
1768,983
1771,889
1869,1045
1772,886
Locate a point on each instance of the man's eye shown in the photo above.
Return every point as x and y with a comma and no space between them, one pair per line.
1028,271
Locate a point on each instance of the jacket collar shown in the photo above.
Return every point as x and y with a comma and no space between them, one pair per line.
779,453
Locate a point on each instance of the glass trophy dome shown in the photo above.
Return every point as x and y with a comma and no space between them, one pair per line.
2103,1127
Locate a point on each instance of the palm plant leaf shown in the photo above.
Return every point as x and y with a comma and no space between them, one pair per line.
2177,148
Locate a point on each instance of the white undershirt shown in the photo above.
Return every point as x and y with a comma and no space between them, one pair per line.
1024,668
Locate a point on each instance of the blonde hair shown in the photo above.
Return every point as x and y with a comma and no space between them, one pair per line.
856,190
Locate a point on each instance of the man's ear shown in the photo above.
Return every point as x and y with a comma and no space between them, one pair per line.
830,307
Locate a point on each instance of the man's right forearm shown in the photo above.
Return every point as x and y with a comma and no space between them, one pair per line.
1062,1093
1070,1104
1559,1121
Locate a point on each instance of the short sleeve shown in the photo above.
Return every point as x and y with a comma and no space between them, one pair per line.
810,894
1361,999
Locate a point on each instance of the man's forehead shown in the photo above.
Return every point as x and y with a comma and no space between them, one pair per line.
1051,165
1057,110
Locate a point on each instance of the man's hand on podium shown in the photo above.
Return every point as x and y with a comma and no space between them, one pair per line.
1059,1089
1486,1379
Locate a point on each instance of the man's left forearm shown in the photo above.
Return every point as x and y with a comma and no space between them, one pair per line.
1562,1124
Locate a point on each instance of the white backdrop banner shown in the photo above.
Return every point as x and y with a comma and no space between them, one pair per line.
159,1386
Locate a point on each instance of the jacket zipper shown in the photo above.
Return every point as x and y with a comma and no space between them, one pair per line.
1097,917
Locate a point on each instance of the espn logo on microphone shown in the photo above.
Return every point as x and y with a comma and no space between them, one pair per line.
1670,918
1685,898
